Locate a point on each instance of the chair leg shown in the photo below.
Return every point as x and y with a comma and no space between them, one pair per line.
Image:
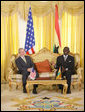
73,86
21,85
10,86
51,88
79,86
57,88
16,86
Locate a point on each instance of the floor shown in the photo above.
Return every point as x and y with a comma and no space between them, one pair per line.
12,100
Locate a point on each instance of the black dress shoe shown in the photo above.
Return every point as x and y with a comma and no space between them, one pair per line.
61,91
24,91
34,91
68,92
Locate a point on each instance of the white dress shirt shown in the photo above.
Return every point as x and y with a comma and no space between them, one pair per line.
65,57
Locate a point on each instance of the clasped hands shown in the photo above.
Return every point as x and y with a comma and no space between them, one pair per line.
29,69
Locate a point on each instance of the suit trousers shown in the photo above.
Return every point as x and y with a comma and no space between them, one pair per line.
24,78
66,75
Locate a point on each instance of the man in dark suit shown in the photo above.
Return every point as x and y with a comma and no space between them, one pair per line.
66,62
24,64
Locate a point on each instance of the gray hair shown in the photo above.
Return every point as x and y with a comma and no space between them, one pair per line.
20,50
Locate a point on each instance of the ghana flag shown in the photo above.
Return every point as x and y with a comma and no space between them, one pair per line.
58,74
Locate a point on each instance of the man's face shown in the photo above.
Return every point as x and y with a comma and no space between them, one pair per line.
66,51
22,52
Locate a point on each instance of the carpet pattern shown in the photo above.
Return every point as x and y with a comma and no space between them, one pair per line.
52,103
46,100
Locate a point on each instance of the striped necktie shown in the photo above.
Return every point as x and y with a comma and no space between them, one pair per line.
24,59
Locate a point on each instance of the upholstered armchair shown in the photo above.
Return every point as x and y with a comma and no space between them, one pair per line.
14,77
77,77
43,54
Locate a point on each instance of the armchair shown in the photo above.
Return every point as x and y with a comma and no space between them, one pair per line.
77,78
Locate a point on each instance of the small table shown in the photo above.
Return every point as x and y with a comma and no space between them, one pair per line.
47,82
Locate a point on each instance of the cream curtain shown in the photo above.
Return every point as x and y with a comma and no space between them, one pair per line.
41,8
9,42
74,7
44,28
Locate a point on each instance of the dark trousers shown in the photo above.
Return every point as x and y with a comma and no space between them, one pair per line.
24,78
67,76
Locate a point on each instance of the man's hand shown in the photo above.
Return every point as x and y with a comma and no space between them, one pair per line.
53,64
29,69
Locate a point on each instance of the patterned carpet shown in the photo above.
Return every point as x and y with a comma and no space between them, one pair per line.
47,99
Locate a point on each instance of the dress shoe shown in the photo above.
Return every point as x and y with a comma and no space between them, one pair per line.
24,91
34,91
68,92
61,91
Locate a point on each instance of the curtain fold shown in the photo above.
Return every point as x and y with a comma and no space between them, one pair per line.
40,8
44,31
9,42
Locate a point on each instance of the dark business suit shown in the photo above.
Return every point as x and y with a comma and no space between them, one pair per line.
68,65
23,66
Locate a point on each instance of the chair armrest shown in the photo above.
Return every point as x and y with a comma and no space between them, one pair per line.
54,70
15,77
79,72
10,72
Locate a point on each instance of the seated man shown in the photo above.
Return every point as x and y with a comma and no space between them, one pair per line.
66,62
24,64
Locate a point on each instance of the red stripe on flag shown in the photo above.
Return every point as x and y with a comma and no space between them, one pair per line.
27,52
57,24
32,50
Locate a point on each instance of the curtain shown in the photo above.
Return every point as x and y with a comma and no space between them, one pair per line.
9,42
44,30
72,35
41,8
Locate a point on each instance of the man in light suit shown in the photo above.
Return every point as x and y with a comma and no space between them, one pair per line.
66,62
24,64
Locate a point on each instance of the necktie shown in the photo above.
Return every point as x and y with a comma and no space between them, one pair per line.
24,59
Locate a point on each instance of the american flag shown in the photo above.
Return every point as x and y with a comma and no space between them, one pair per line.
30,40
32,75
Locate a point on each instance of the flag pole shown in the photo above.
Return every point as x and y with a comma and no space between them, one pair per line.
30,4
